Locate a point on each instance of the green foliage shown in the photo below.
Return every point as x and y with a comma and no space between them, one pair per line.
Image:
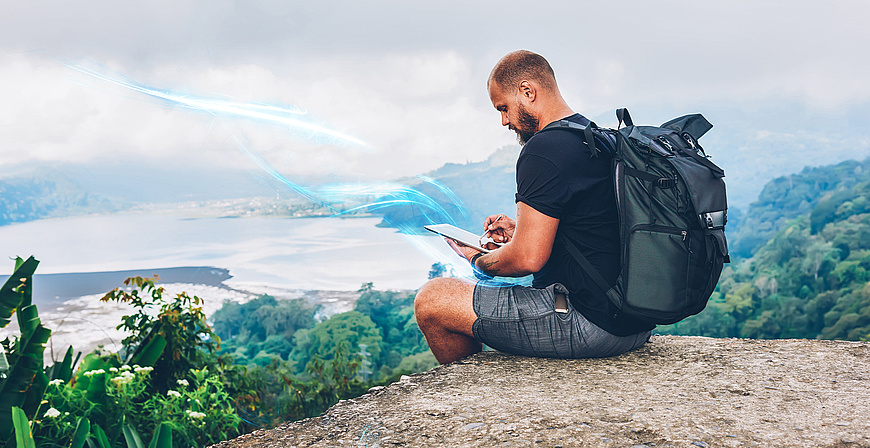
83,428
393,313
198,410
338,358
126,400
354,329
24,381
175,340
98,437
257,331
23,436
191,393
329,382
16,292
162,437
132,437
419,362
820,190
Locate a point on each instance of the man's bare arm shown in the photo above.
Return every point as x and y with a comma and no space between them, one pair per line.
529,249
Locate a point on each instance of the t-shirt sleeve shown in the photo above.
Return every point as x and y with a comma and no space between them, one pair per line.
540,185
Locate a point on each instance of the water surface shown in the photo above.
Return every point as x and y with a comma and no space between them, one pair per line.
308,253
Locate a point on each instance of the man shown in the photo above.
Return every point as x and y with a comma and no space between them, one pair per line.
560,188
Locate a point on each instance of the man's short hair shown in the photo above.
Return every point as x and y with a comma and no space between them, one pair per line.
522,65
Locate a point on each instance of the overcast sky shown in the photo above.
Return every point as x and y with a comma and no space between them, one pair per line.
408,78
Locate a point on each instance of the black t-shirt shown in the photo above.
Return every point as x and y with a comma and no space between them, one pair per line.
557,176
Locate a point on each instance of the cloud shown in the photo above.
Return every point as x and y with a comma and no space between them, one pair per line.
64,115
407,78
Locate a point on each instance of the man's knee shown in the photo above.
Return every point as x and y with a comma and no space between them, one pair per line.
441,296
429,296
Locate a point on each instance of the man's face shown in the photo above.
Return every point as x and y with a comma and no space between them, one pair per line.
514,114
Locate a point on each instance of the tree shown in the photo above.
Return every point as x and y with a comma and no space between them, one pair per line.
351,328
438,270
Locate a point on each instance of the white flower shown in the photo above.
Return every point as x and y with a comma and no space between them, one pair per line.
122,379
138,369
125,367
173,393
194,414
113,369
94,372
52,413
56,382
183,382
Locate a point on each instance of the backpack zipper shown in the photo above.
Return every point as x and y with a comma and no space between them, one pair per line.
684,234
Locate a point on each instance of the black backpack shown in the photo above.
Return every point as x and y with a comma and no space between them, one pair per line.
672,214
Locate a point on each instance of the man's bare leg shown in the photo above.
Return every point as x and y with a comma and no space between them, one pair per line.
444,312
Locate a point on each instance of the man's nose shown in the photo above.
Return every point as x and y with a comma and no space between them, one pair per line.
504,120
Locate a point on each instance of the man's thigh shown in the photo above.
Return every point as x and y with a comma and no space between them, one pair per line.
447,301
523,321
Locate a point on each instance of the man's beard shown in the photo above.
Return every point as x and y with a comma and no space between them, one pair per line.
526,126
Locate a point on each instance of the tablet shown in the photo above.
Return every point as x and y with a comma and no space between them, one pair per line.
455,233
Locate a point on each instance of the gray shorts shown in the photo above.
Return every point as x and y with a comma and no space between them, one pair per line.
523,321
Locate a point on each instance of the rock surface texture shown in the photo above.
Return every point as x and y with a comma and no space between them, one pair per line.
673,392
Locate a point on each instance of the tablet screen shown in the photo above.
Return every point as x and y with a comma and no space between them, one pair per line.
455,233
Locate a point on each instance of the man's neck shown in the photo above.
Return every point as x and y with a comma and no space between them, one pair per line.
556,113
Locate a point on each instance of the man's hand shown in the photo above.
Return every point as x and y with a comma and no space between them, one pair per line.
464,251
500,228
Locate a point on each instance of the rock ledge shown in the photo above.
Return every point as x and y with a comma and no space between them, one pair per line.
674,392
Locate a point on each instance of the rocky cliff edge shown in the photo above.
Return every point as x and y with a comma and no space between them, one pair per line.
673,392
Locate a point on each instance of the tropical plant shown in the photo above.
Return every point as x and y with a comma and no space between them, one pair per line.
22,377
174,340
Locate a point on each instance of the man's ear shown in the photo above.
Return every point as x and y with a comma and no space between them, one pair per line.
528,91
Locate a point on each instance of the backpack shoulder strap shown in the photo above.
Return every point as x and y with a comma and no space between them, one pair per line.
590,270
587,131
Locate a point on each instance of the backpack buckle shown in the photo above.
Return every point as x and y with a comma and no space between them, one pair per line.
714,220
665,182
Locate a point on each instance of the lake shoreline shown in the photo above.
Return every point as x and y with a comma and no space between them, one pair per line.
51,291
57,288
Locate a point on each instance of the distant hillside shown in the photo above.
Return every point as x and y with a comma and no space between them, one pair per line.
53,190
485,188
26,199
788,197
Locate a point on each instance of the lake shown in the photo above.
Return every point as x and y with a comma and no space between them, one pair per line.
259,253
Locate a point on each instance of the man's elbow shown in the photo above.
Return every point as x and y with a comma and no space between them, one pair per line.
533,263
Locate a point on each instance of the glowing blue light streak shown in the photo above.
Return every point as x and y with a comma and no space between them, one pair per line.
360,197
231,109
